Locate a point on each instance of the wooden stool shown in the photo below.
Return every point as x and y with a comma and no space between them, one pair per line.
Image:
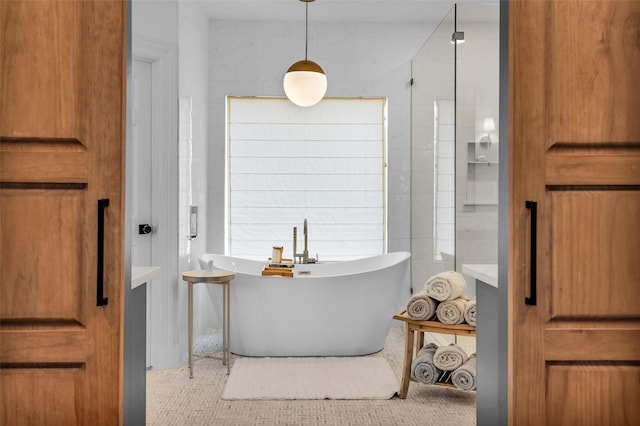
410,339
216,276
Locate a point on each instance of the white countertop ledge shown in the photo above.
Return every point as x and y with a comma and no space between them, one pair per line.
142,274
487,273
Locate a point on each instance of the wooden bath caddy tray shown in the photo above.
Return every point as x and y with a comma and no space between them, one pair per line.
283,272
414,342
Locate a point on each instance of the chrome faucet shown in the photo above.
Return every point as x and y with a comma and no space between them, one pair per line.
304,256
295,243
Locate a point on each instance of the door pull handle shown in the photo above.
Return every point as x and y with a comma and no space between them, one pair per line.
532,298
103,203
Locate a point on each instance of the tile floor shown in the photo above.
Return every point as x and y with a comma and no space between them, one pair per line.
174,399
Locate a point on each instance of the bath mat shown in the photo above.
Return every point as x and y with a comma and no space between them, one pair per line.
311,378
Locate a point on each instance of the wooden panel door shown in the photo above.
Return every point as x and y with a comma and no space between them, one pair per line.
574,158
62,97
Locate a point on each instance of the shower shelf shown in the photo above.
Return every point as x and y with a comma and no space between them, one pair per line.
482,174
417,341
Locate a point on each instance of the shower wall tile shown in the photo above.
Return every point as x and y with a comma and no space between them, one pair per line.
422,137
401,160
402,218
422,163
422,185
399,185
399,113
421,219
398,244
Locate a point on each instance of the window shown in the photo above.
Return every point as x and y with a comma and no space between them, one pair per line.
325,164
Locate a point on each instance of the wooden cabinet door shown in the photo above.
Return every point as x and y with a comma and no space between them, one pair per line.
574,150
62,97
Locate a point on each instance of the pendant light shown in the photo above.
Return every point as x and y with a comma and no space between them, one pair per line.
305,83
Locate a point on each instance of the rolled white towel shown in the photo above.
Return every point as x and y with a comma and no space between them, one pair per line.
470,312
421,307
450,357
422,367
451,312
464,377
446,286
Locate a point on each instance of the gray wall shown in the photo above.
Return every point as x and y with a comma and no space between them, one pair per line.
503,220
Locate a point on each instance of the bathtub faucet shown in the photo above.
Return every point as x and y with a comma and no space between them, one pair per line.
304,256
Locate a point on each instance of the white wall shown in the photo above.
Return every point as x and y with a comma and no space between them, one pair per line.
184,28
156,22
193,84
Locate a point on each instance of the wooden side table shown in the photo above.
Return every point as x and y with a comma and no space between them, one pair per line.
411,339
216,276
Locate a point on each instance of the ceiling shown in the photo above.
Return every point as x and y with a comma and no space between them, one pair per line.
331,10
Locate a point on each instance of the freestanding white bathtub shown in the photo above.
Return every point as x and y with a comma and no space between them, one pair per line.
326,309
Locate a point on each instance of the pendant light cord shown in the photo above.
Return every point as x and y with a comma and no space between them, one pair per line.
306,29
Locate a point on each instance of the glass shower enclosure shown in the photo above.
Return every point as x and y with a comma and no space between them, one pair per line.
455,141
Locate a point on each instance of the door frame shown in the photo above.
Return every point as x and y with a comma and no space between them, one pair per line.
162,294
499,398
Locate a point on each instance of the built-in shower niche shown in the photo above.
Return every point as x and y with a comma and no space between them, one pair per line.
482,174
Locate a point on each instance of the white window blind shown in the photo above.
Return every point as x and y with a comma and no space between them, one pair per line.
325,163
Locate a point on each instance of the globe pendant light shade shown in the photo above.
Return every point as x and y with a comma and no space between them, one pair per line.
305,83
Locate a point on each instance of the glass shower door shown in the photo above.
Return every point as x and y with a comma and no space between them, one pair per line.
433,172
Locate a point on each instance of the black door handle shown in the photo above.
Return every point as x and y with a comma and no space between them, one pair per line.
531,300
144,229
101,300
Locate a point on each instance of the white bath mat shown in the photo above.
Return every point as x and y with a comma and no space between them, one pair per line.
311,378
